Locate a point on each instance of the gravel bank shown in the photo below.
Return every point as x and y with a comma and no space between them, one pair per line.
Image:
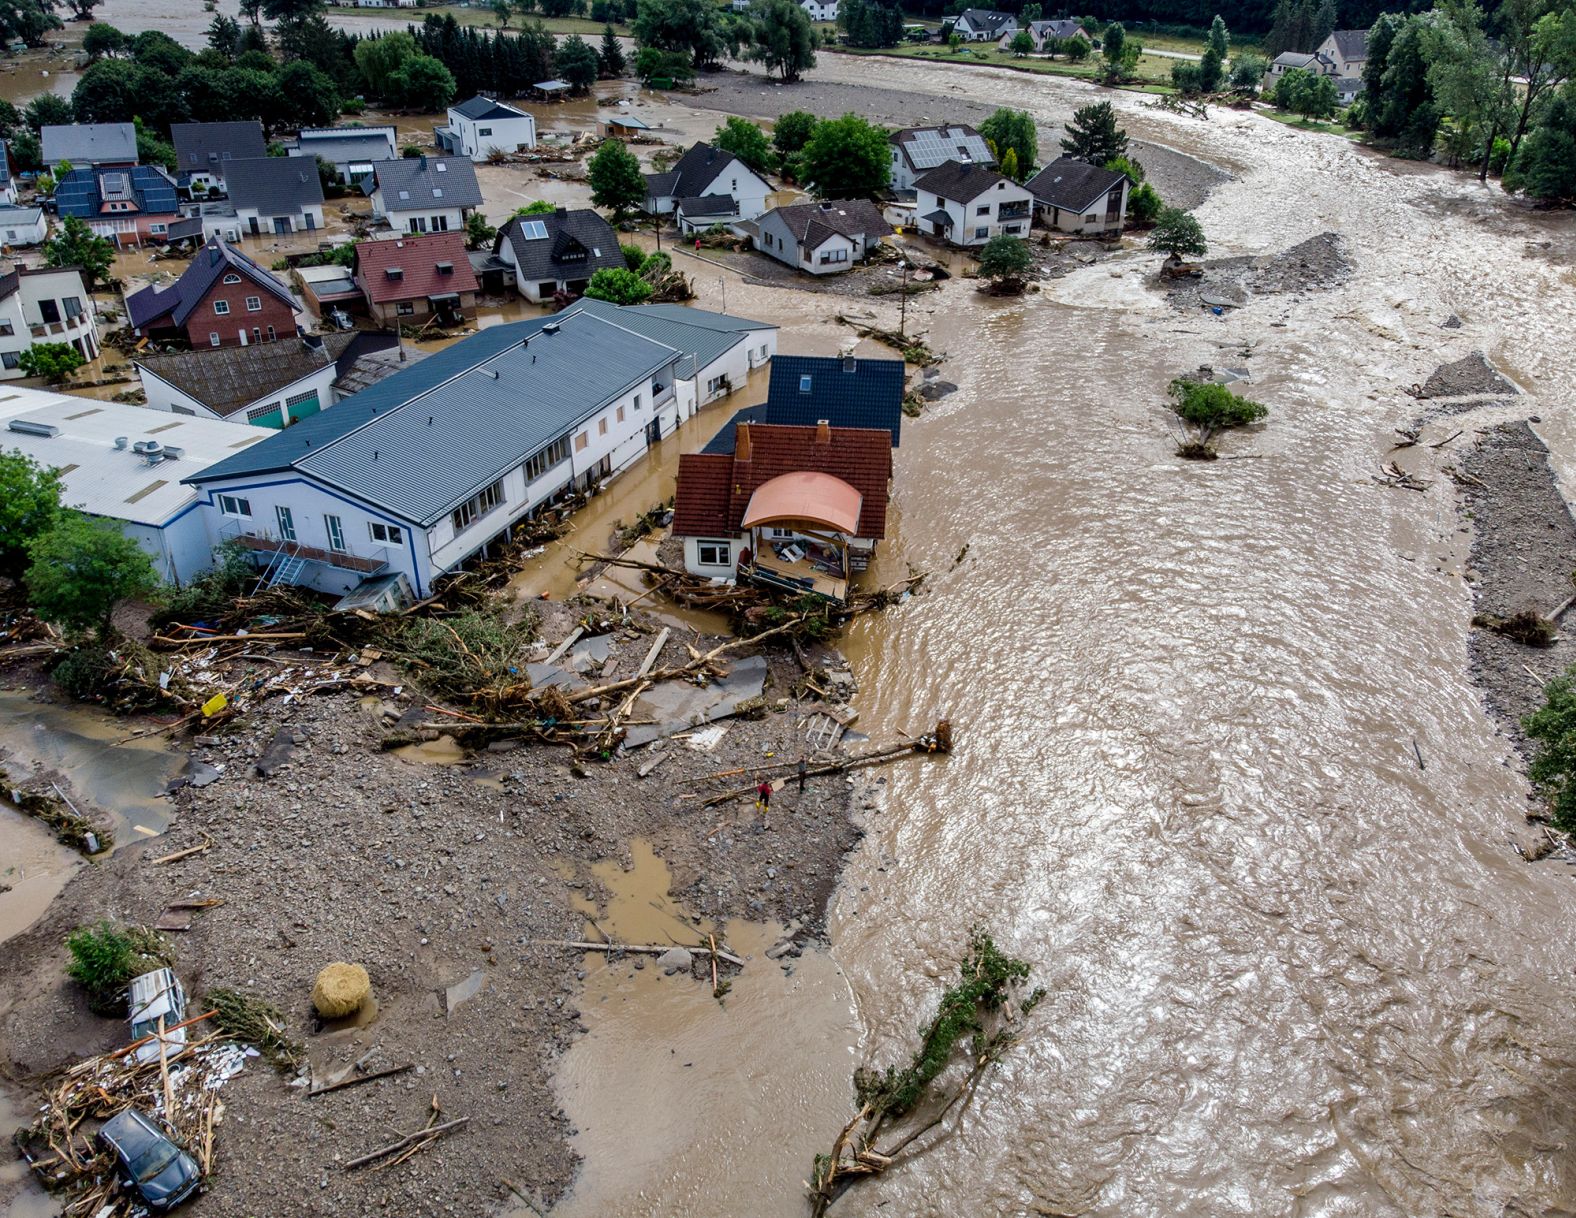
1315,265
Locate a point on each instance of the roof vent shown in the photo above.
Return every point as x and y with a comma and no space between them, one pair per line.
849,363
823,431
29,428
172,453
550,328
120,443
492,372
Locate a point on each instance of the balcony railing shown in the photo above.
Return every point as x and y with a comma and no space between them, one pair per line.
342,559
1013,211
72,325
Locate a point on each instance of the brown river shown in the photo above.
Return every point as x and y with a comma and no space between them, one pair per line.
1291,971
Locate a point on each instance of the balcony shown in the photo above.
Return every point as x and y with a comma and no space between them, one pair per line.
1013,211
342,559
72,327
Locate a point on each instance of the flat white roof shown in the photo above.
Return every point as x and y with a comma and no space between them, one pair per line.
121,483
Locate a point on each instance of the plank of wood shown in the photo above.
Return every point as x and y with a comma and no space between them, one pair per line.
644,949
652,763
558,652
357,1079
656,650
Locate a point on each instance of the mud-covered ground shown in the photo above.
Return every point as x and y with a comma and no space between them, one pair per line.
427,874
1315,265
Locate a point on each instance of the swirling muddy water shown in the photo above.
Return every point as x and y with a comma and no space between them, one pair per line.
1290,970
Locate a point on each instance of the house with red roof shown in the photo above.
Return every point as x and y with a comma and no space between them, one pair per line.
409,279
799,509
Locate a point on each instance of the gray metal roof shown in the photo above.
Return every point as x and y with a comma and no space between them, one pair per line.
427,181
274,185
701,336
209,147
341,145
418,456
86,144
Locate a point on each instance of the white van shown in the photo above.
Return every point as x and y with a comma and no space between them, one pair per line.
155,996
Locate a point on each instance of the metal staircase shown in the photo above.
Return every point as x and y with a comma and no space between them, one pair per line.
282,568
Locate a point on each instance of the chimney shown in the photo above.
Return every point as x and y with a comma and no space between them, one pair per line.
849,362
823,432
741,443
424,162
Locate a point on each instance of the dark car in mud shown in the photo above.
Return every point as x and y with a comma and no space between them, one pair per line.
157,1171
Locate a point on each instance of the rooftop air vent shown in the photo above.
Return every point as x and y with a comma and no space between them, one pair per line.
120,443
550,328
172,453
29,428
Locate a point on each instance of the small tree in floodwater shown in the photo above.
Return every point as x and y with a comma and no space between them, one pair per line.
979,1012
1006,263
1206,408
1553,768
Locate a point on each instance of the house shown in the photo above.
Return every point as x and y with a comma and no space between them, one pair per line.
424,194
702,171
89,145
709,211
22,225
203,151
624,126
275,194
1346,51
556,252
720,351
412,278
821,238
1047,34
918,150
329,289
820,10
125,206
1076,197
420,473
967,205
1341,57
222,299
482,126
846,392
44,305
1286,61
124,463
7,178
267,384
794,508
984,25
352,151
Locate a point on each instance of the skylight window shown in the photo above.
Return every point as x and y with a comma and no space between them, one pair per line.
404,194
441,166
534,230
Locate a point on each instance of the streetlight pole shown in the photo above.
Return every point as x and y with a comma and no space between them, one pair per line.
902,323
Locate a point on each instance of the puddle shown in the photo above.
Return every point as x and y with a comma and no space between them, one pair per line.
364,1017
442,751
34,869
639,909
20,1195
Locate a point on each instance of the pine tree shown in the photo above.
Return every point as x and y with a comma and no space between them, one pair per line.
611,56
1093,136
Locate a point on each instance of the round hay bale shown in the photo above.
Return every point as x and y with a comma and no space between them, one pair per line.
340,990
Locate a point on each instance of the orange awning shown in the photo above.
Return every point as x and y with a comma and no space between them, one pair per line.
805,496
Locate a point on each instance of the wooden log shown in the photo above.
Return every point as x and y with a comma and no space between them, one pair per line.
644,949
558,652
656,650
420,1135
358,1079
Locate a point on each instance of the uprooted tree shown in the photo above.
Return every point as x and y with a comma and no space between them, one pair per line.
1206,408
977,1020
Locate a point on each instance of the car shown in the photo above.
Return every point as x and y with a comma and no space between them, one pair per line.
149,1164
157,996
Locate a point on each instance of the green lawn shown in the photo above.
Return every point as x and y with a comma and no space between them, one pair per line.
480,16
1305,124
1152,70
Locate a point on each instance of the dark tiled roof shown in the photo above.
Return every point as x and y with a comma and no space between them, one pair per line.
723,441
1072,185
427,181
274,185
225,379
418,260
709,205
1061,27
485,107
208,264
1352,44
985,18
868,394
960,183
208,147
714,489
577,244
813,223
187,229
692,173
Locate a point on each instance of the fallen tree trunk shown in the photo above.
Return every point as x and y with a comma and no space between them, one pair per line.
939,741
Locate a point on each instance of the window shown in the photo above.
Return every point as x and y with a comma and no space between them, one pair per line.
49,311
221,307
981,233
830,256
418,224
261,412
234,505
484,131
213,338
309,396
254,304
336,532
1089,219
554,454
271,334
620,414
405,308
72,305
440,224
158,229
637,401
601,426
6,328
982,210
475,508
8,358
714,553
232,279
804,384
581,441
286,520
717,384
386,534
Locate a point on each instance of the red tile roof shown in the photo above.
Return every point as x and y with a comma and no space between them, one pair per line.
417,257
715,488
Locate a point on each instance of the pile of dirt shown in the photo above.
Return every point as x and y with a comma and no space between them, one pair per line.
1470,375
1315,265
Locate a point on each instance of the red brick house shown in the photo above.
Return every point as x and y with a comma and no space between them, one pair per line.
222,299
410,278
799,509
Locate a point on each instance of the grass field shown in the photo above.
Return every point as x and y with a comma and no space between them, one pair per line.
479,16
1152,71
1305,124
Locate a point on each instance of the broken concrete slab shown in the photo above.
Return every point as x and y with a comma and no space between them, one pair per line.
277,753
195,774
544,675
676,705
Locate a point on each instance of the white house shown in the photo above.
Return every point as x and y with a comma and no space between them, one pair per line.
918,150
23,225
984,25
352,151
820,10
705,171
482,126
425,194
44,305
275,195
125,464
1076,197
967,205
556,252
821,238
266,384
418,474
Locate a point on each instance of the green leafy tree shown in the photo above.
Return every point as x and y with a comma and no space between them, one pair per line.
1031,12
634,256
1014,130
48,110
478,233
1247,71
378,59
423,83
1187,78
577,64
793,131
10,119
157,51
1005,261
151,150
1552,729
502,10
310,95
654,64
536,207
746,141
1144,205
52,362
29,507
1545,165
1402,111
75,244
616,180
870,23
1299,25
1179,234
81,569
224,36
1077,48
1022,44
1127,165
847,158
610,58
783,39
1539,54
1470,77
1009,165
1093,135
103,39
1208,408
618,286
693,27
